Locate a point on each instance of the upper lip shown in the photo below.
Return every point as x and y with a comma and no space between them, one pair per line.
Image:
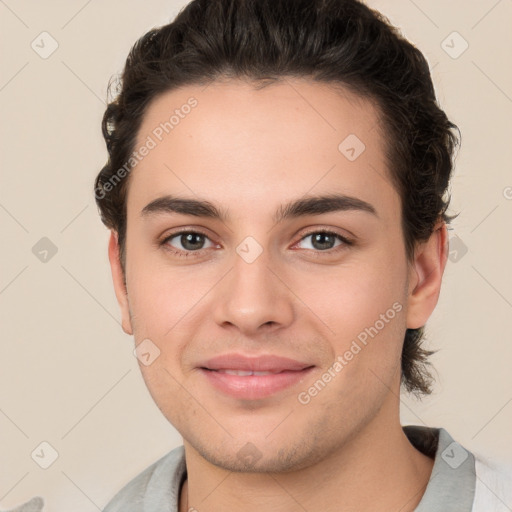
263,363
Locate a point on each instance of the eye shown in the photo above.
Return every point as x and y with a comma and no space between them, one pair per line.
324,240
188,241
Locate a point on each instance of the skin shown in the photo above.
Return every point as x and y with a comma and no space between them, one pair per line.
249,151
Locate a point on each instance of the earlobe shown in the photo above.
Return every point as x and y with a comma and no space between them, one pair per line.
426,276
118,280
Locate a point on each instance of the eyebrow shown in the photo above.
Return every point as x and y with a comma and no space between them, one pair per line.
312,205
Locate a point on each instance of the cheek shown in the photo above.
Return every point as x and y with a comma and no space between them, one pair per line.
364,307
352,297
161,298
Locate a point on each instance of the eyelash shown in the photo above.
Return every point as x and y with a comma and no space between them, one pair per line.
317,253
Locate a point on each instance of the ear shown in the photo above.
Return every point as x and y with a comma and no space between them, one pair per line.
118,278
425,276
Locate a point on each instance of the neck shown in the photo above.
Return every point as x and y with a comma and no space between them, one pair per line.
378,465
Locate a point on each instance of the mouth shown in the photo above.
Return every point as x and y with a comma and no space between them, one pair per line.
243,373
249,378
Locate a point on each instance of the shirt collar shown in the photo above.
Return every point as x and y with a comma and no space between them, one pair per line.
451,487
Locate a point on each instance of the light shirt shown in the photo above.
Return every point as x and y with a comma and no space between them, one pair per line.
459,482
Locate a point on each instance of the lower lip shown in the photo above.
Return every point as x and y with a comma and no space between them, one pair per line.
254,387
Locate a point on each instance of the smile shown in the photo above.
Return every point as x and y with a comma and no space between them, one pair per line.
244,373
253,385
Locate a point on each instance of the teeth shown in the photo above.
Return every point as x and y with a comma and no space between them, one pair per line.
243,373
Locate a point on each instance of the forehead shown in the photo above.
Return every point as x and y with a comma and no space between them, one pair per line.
239,145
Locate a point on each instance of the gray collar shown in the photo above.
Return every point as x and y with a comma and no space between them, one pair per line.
451,487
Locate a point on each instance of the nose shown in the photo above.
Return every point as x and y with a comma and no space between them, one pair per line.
253,298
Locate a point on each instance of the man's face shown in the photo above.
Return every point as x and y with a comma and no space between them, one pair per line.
256,283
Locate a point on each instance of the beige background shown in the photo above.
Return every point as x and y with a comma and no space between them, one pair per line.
67,372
